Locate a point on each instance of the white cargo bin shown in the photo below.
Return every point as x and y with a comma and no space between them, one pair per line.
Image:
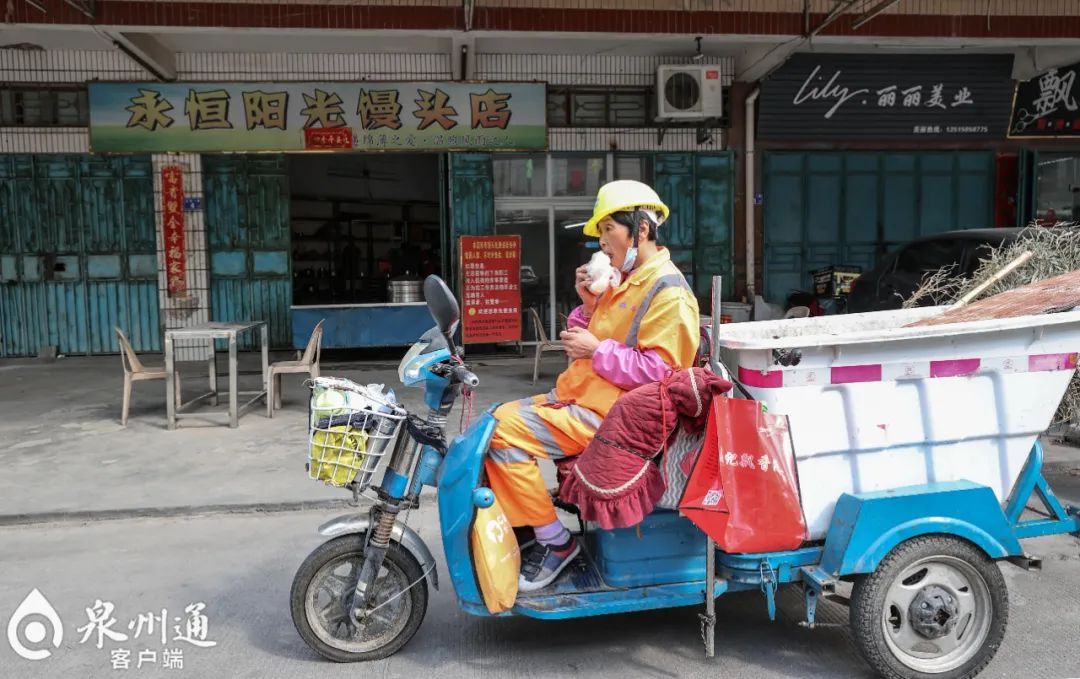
874,405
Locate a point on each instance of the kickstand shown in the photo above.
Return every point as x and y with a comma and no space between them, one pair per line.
708,619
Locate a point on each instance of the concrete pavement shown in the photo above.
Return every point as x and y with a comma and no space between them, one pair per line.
65,455
67,463
241,567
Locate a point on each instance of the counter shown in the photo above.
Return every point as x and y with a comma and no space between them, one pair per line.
351,326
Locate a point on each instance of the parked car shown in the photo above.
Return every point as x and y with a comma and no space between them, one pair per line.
899,274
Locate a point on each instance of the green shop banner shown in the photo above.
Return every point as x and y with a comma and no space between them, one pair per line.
333,116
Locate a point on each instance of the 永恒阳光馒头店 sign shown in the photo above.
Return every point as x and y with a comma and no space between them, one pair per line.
361,116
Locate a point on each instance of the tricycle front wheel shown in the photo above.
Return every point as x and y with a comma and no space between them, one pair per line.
936,606
326,576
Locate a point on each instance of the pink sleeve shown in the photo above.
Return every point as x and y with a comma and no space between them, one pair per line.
576,319
626,367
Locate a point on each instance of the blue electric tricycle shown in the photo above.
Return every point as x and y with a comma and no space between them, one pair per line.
927,599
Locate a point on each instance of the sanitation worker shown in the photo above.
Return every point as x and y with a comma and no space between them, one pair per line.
634,333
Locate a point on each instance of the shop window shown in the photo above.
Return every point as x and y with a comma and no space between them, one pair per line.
520,176
634,167
619,107
558,109
578,175
71,107
600,107
1058,179
628,109
62,106
589,109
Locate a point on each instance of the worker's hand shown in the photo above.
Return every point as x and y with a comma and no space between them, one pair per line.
579,343
588,299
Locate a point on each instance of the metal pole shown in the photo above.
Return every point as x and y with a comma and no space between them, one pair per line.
832,16
170,382
873,12
714,354
264,332
233,419
211,368
709,623
749,213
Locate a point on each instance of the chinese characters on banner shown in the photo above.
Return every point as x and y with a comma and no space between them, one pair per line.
491,290
140,117
1047,106
172,222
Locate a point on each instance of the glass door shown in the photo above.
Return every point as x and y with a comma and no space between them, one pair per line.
572,249
534,227
536,196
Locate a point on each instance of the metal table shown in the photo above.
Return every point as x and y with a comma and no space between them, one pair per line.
210,332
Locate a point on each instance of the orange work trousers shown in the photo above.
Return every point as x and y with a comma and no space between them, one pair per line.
534,428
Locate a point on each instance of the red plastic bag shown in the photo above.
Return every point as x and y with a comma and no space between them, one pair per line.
743,491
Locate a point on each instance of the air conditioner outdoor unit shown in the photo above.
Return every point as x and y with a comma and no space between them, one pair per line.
692,92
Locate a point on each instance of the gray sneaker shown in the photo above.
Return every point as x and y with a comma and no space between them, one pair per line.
543,563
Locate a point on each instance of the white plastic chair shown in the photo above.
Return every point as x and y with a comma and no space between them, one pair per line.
135,371
308,363
543,344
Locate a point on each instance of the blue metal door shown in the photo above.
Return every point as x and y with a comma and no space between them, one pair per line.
472,202
77,254
247,231
698,189
825,208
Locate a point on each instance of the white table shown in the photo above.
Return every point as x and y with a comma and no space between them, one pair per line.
211,332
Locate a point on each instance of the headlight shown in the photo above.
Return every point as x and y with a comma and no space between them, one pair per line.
409,368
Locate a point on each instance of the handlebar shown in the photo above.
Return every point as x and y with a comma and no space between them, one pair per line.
464,375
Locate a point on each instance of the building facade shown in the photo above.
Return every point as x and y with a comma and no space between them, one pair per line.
761,193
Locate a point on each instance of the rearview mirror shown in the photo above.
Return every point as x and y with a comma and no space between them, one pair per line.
442,304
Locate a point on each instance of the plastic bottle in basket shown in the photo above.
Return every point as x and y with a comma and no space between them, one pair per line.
382,428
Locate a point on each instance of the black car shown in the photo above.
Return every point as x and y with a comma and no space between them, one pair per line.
899,274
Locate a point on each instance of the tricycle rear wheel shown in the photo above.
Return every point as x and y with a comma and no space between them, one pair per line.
935,607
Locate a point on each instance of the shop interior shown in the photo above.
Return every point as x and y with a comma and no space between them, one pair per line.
365,227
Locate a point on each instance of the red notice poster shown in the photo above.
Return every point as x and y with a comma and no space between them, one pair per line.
491,290
172,221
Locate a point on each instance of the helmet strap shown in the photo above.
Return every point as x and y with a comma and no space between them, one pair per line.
638,216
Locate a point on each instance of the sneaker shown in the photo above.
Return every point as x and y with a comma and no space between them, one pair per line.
542,564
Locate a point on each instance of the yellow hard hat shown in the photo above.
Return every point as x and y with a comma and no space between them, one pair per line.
621,196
